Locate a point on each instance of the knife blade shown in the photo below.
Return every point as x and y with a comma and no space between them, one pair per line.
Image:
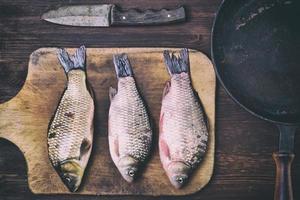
105,15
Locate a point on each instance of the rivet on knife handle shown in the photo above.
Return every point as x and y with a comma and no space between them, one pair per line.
147,17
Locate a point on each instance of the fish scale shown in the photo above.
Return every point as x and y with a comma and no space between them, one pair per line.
130,109
70,130
189,117
183,130
70,133
130,134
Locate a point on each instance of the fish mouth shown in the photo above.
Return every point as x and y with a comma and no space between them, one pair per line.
128,167
178,173
71,181
129,174
178,181
71,174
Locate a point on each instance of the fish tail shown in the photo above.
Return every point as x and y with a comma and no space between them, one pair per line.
177,64
76,61
122,65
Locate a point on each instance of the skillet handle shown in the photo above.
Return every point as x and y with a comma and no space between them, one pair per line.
283,185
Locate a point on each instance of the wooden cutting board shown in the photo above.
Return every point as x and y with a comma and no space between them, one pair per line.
24,120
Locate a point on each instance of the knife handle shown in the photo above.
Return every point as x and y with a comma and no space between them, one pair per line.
147,17
283,185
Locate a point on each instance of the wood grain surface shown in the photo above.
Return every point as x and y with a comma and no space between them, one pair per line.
24,120
244,168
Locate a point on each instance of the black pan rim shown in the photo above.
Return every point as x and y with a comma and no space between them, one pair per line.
219,10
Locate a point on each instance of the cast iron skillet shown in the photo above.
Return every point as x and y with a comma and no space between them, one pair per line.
256,54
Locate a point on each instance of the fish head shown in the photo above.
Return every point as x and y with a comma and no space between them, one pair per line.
128,167
71,174
178,173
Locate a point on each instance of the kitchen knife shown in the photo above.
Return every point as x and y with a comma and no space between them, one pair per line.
110,15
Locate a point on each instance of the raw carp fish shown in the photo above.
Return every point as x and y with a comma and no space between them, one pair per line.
183,132
70,133
130,134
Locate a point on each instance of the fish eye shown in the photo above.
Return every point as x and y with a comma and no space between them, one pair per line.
131,173
180,180
67,178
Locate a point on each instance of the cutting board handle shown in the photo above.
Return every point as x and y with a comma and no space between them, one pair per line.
283,185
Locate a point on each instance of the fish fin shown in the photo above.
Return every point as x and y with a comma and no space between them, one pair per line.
90,90
76,61
85,151
122,65
167,88
79,58
113,141
85,146
112,93
161,121
65,60
207,122
114,148
164,150
177,64
205,118
196,93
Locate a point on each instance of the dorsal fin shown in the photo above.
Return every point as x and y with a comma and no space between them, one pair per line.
112,93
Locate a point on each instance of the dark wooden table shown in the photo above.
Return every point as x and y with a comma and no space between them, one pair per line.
244,168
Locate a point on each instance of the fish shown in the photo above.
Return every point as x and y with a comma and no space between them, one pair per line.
183,126
129,129
70,134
